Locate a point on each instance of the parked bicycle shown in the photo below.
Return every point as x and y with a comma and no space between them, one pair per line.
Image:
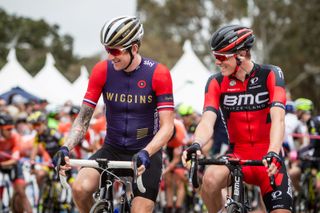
237,202
5,193
52,197
308,197
104,196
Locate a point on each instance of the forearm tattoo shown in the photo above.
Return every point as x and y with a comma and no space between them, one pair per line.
79,126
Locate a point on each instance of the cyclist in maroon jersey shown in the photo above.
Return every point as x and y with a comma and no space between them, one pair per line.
252,98
137,93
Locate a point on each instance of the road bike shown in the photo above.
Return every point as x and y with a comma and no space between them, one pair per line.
104,201
237,202
307,199
6,193
52,197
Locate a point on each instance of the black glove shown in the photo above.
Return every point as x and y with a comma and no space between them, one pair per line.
142,158
272,157
58,158
193,148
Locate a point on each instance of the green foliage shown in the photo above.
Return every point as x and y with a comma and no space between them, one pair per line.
32,40
287,32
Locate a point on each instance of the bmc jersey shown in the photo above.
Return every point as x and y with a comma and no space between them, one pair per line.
246,105
132,99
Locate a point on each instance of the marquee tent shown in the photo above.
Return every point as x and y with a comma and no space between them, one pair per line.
80,85
189,78
51,84
13,75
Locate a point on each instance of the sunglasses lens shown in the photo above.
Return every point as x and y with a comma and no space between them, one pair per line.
114,52
220,57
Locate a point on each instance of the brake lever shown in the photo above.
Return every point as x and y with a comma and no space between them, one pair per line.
193,173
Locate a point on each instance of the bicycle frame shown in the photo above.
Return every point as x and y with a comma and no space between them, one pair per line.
6,192
104,195
237,198
307,199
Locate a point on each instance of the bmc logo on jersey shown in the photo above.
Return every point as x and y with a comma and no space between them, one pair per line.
246,99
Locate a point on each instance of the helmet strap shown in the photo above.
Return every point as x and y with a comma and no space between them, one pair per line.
131,58
236,69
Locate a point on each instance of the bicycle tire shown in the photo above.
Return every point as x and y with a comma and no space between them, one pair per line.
101,206
44,203
235,208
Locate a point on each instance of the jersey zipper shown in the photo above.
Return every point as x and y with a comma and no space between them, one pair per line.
127,109
245,85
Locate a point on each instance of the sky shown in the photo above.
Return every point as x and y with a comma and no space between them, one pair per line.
82,19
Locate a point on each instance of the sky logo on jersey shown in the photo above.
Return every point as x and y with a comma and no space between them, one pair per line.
148,63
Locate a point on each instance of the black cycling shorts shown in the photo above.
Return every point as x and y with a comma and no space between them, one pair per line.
281,197
15,172
150,178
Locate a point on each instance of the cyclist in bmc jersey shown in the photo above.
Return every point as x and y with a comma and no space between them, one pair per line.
252,98
137,93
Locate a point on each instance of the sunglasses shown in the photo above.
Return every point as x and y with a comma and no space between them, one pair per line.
222,57
36,124
7,127
115,51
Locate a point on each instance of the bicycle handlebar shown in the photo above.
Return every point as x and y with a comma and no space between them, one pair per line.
309,158
193,176
108,165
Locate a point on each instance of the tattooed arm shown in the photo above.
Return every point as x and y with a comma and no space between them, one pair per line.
79,127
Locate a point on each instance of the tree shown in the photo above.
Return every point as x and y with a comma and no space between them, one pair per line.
286,34
33,39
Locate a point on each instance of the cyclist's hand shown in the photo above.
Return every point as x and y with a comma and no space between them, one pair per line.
61,160
186,155
143,161
273,163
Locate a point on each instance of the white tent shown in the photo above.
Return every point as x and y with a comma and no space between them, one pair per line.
80,85
51,84
13,75
189,78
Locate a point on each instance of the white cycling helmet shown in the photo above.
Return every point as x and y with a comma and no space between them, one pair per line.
121,32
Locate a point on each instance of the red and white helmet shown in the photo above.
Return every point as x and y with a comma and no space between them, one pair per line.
232,38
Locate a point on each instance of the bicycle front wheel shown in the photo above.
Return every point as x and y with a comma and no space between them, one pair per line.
102,206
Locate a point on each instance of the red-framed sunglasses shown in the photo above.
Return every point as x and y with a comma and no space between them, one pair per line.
116,51
7,127
222,57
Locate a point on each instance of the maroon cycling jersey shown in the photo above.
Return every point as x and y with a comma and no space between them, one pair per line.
246,105
132,99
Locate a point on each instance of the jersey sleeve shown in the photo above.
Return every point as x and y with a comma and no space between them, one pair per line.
162,85
276,87
212,95
96,82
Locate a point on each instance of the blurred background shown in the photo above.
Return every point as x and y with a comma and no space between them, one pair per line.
61,38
